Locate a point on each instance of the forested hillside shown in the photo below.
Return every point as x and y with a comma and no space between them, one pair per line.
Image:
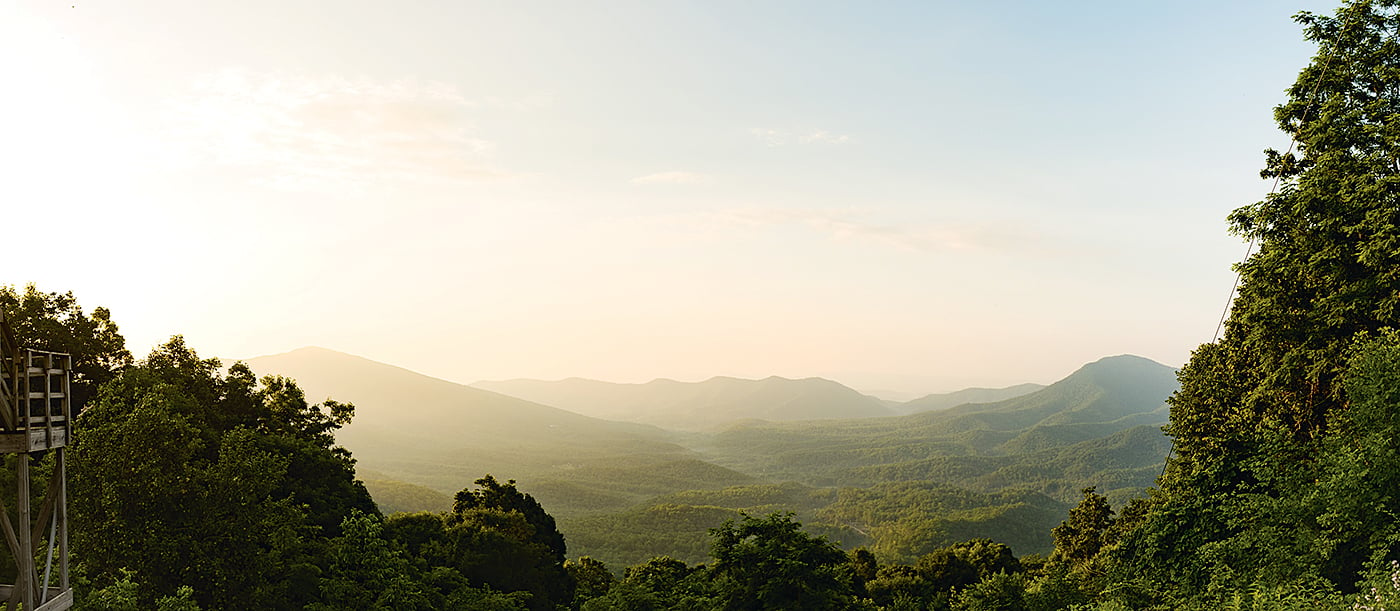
1102,399
322,481
1261,475
624,492
905,486
206,486
421,430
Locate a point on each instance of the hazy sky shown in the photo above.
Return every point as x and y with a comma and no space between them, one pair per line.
915,196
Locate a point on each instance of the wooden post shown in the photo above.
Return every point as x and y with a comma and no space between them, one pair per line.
61,467
35,416
24,581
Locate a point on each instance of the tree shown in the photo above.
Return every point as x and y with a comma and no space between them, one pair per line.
1349,505
1329,238
997,592
592,578
864,568
492,494
770,563
125,595
987,556
188,476
1328,246
366,573
55,322
1256,407
944,569
1080,537
496,539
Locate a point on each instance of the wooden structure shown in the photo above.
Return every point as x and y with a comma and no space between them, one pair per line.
34,417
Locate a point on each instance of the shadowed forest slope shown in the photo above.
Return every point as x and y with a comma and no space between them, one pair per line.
1083,416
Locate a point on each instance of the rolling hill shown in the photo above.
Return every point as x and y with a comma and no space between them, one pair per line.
696,406
1100,400
902,485
413,428
1007,470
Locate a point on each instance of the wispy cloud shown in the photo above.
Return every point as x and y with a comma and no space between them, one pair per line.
672,177
822,136
771,137
778,137
330,132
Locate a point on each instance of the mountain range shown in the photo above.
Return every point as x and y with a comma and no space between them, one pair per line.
1101,399
935,402
692,453
414,428
697,406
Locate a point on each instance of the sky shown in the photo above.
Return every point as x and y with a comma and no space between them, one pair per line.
906,197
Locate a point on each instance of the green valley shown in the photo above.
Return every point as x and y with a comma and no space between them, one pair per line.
623,492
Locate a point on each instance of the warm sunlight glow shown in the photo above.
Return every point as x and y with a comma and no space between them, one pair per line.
628,206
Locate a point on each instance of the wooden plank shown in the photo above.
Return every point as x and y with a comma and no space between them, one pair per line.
61,467
45,514
33,440
7,408
24,581
59,598
60,601
45,511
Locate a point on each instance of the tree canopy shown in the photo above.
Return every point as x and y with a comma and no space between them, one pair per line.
1256,423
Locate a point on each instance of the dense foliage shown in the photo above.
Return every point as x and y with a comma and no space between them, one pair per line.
198,487
205,488
1279,487
195,487
55,322
206,474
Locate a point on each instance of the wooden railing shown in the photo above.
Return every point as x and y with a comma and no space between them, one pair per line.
34,416
35,388
10,360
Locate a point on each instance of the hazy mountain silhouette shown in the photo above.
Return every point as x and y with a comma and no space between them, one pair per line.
418,439
698,405
431,432
1101,399
939,401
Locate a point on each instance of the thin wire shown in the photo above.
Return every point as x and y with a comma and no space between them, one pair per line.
1292,142
1273,190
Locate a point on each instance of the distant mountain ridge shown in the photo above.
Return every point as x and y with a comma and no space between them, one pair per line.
1099,400
696,406
1105,390
940,401
624,490
422,430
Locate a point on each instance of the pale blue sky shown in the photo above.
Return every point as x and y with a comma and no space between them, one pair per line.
907,196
